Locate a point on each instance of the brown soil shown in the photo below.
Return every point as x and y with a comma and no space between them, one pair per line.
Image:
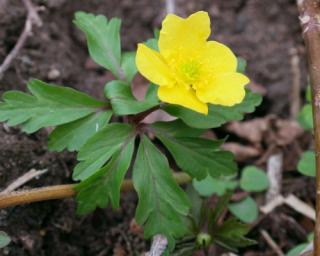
263,32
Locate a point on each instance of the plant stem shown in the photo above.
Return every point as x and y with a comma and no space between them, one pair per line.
310,20
63,191
139,117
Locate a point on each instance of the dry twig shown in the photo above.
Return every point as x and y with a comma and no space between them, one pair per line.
309,11
33,173
32,19
292,201
271,243
274,172
159,245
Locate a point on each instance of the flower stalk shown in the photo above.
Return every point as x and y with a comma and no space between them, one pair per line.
63,191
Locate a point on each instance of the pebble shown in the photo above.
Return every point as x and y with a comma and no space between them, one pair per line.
53,74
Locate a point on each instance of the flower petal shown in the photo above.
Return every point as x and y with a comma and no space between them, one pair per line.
218,58
152,66
225,89
179,95
178,33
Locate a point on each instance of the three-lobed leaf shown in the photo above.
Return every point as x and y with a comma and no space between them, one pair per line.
100,147
103,38
49,105
209,186
122,100
217,114
105,184
162,203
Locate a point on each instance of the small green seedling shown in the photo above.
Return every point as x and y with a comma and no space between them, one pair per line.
4,239
307,165
296,251
252,180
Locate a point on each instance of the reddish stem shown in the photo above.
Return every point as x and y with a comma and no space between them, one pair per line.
310,20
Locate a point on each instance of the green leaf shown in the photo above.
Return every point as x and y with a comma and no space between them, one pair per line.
75,134
198,156
254,179
100,147
310,237
296,251
152,93
122,100
50,105
305,117
209,186
308,94
152,43
307,164
176,128
103,39
156,33
242,65
162,203
231,235
4,239
245,210
106,183
217,115
196,207
128,65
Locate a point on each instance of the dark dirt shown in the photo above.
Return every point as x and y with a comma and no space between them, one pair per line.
263,32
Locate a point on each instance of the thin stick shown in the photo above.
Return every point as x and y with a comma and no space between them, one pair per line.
300,206
23,179
20,43
32,13
274,172
32,18
62,191
310,20
271,243
294,202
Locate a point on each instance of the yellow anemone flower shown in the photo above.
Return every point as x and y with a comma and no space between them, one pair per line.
190,70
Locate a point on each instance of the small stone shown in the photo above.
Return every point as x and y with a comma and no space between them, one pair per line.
54,74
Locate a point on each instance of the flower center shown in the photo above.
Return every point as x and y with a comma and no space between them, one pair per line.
190,71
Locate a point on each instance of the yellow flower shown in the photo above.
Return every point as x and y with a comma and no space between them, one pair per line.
190,70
